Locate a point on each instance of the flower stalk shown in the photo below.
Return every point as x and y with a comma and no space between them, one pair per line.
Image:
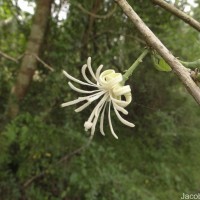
192,65
129,72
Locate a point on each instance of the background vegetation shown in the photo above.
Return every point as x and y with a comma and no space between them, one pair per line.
158,159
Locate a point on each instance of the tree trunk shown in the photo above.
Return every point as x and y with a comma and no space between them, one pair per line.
29,61
88,29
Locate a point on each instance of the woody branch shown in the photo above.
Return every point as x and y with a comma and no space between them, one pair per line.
150,38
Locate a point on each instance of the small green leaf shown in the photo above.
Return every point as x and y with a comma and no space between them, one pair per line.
160,63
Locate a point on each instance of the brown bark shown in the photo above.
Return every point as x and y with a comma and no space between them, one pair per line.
178,13
29,61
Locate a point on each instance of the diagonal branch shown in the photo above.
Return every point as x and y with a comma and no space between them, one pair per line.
16,60
8,57
178,13
42,62
63,159
95,15
182,72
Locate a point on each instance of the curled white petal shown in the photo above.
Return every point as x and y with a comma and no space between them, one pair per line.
118,91
121,109
122,119
98,72
75,80
110,122
115,80
90,98
97,113
109,78
103,100
80,90
104,75
69,103
122,103
90,68
85,76
102,120
85,105
98,105
96,96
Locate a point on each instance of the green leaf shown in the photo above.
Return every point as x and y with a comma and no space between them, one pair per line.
160,63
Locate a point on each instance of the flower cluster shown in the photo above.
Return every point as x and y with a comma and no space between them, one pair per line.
107,87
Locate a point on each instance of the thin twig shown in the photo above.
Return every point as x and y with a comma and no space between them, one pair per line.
178,13
95,15
21,56
32,179
65,158
75,152
134,65
42,62
192,65
8,57
156,44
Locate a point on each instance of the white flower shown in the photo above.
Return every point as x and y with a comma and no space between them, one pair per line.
107,86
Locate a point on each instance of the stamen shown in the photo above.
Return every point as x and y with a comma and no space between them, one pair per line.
87,125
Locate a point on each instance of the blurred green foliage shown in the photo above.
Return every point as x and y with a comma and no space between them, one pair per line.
158,159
